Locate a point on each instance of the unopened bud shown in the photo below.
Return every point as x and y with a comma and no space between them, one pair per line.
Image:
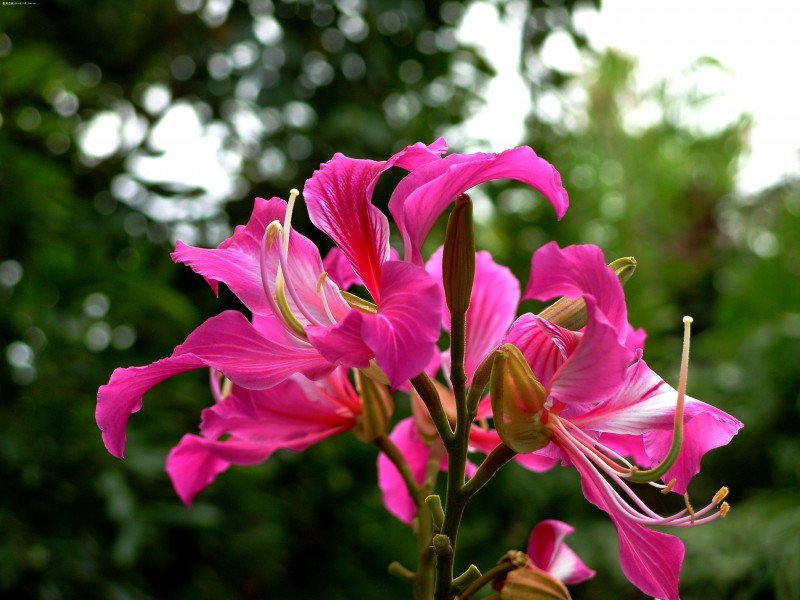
570,313
458,257
517,402
377,407
533,584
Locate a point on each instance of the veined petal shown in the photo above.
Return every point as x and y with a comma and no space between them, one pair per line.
493,305
230,344
343,343
650,560
195,462
236,261
395,493
645,408
227,343
339,269
577,272
304,286
122,395
549,552
339,199
705,428
421,196
404,332
595,370
292,415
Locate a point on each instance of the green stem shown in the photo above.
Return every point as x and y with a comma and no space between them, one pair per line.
424,578
496,459
486,578
392,452
427,392
455,502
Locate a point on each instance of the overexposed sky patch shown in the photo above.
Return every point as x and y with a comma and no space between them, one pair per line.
756,43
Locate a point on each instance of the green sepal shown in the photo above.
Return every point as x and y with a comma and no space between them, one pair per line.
377,408
517,402
458,256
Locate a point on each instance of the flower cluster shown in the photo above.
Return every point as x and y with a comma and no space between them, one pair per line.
312,360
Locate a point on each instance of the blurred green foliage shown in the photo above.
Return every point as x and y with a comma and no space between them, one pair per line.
86,285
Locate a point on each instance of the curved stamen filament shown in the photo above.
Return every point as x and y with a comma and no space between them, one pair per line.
279,308
608,454
321,291
647,516
646,476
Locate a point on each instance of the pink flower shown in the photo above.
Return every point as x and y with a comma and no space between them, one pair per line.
549,552
246,426
302,323
594,399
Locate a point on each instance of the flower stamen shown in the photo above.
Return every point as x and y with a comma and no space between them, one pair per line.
650,475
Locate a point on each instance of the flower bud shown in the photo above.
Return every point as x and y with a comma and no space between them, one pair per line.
530,583
458,257
377,408
517,402
422,418
570,313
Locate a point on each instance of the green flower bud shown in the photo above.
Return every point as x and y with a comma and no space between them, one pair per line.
377,408
533,584
517,402
458,257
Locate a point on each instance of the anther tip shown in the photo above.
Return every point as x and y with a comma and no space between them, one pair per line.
723,509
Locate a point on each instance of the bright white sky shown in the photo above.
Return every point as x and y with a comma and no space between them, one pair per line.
757,42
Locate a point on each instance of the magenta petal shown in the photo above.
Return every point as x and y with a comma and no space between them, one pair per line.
395,493
404,332
122,395
236,261
343,343
339,269
706,428
650,560
575,272
339,199
195,462
230,344
547,550
492,308
424,194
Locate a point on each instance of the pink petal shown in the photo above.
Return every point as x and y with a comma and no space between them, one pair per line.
227,343
303,289
339,269
404,332
230,344
706,428
576,272
339,199
236,261
493,306
122,395
650,560
343,343
486,440
645,408
292,415
395,493
195,462
547,550
424,194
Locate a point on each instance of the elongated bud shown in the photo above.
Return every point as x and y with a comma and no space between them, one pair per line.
517,402
533,584
458,257
571,313
377,408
